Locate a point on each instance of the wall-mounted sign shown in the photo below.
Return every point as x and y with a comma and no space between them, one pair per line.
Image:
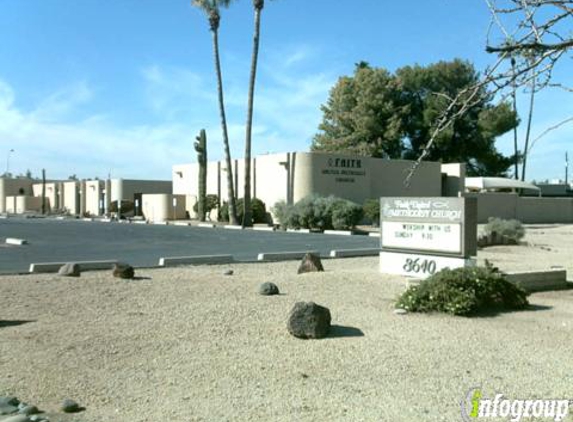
344,170
420,236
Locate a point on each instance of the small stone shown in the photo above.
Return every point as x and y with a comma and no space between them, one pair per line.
400,311
268,289
69,270
70,406
124,271
228,272
28,410
309,320
38,418
310,263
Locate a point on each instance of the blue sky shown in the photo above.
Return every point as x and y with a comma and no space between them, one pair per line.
91,87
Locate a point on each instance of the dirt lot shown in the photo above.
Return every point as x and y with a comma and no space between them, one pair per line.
191,344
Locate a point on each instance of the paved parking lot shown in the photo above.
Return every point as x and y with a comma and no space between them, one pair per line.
142,245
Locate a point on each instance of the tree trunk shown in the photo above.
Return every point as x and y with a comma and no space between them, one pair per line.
528,131
230,185
247,219
201,148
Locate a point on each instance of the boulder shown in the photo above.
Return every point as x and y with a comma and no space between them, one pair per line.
70,406
309,320
268,289
69,270
310,263
122,270
9,400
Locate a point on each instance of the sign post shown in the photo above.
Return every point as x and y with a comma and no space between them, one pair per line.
421,236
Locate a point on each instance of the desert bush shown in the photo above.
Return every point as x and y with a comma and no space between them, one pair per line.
345,214
463,291
319,213
371,209
211,202
510,229
258,211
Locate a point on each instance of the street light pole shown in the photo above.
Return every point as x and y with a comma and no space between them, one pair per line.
8,162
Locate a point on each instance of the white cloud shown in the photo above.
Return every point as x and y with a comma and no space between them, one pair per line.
67,134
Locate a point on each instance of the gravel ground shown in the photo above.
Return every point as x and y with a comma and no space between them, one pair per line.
191,344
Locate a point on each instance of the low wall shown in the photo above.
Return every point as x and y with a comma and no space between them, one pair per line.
525,209
160,207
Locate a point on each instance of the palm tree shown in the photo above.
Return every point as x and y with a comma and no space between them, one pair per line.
258,6
211,9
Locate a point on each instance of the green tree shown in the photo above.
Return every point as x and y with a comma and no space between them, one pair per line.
428,91
211,9
363,115
258,6
375,113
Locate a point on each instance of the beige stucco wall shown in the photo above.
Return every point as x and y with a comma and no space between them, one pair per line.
454,179
125,189
23,203
71,202
94,191
159,207
292,176
525,209
12,187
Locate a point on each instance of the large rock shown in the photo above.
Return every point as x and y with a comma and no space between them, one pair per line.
309,320
310,263
123,270
268,289
70,269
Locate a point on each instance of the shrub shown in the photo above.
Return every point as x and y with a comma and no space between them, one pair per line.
371,209
510,229
319,213
464,291
345,214
258,211
211,202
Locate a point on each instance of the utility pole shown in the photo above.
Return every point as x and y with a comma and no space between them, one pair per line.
8,162
43,191
566,169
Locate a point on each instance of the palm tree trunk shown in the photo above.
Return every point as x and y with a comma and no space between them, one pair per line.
528,131
247,219
230,186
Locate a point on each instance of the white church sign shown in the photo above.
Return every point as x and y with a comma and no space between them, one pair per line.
420,236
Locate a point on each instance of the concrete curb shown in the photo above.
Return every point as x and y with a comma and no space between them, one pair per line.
374,234
53,267
265,229
180,223
14,241
205,225
348,253
195,260
538,281
283,256
298,230
339,232
232,227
